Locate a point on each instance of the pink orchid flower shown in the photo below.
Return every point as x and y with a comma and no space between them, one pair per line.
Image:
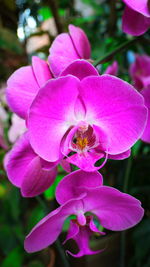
86,120
26,170
24,84
136,17
146,134
140,74
112,69
76,193
68,47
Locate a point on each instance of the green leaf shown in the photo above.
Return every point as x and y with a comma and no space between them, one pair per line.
36,215
45,12
67,223
14,205
136,148
35,264
14,258
49,194
6,234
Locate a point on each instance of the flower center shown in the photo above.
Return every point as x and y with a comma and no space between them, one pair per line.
84,139
81,143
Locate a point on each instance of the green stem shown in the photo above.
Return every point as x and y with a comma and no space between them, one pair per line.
54,8
123,234
127,174
42,204
112,18
123,249
62,254
111,54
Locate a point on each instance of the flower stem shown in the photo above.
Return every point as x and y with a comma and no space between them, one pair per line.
54,8
42,204
123,234
127,174
62,254
108,56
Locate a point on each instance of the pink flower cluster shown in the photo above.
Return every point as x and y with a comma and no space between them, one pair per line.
140,74
74,116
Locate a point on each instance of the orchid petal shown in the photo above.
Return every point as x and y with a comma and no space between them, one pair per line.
115,210
112,69
41,70
110,104
22,89
36,179
27,171
49,228
140,71
51,115
80,41
62,53
129,26
85,161
82,238
139,6
71,186
121,156
80,69
146,135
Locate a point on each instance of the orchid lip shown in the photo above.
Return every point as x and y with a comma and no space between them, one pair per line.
83,139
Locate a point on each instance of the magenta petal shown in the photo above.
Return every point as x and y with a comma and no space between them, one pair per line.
93,227
110,104
146,135
18,160
49,228
112,69
73,230
51,115
121,156
70,186
129,26
66,166
85,161
36,179
82,238
115,210
139,6
80,69
140,71
27,171
62,53
80,41
41,70
21,89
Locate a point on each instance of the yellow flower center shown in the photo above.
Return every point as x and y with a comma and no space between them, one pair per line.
82,142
